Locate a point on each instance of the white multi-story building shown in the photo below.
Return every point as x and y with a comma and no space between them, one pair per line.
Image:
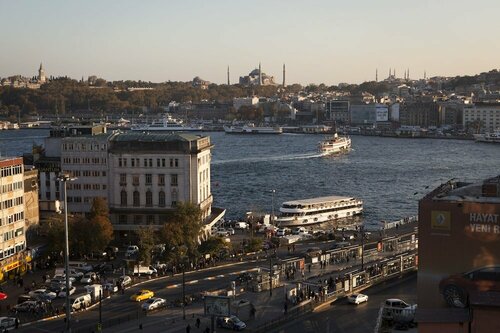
85,158
12,216
238,102
481,117
151,172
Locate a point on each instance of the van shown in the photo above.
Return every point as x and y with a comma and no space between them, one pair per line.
241,225
80,302
80,265
94,290
73,273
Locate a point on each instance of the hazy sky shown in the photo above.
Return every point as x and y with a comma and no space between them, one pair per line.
320,41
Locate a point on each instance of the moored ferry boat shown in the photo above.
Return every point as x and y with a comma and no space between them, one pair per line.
247,129
168,123
318,210
491,137
334,145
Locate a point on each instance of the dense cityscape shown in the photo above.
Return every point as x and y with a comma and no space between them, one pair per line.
245,200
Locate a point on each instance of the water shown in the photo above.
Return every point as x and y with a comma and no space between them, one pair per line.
389,174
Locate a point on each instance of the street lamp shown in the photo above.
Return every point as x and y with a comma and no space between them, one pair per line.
64,178
182,252
362,230
273,191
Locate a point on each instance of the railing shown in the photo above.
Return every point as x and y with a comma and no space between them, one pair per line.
291,314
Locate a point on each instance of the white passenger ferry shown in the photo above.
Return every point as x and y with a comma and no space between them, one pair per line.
318,210
334,145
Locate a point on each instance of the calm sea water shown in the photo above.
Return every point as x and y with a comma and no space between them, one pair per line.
389,174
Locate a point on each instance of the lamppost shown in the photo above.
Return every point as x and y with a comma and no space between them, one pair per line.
273,191
362,230
182,252
64,178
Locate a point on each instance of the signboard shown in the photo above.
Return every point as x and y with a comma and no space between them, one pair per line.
382,113
217,305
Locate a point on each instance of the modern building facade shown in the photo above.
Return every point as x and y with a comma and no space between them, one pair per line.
337,111
481,117
459,258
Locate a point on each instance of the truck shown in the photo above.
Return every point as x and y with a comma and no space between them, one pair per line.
94,290
146,270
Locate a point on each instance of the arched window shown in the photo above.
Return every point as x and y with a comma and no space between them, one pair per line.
149,199
123,198
137,201
161,199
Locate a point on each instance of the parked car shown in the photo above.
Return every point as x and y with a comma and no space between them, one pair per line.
243,278
111,287
23,298
79,302
131,250
357,298
283,232
230,231
43,293
25,306
125,280
232,322
298,230
62,293
154,303
142,295
398,309
146,270
8,323
456,288
89,277
222,232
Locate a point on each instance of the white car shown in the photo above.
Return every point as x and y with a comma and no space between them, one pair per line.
43,293
125,280
8,323
154,303
111,287
62,293
357,298
230,230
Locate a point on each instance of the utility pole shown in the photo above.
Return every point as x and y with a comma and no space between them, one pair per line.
183,292
270,276
362,229
100,311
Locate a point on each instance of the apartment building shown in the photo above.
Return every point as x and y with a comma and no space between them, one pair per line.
12,217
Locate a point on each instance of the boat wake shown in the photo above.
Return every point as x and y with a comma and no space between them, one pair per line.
267,158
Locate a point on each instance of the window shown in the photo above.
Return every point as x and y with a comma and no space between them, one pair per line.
158,163
163,164
137,219
120,162
137,201
173,180
150,219
132,163
161,199
161,179
149,179
176,162
123,198
150,162
135,180
122,219
123,179
174,198
149,199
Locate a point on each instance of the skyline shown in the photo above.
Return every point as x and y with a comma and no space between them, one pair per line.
161,42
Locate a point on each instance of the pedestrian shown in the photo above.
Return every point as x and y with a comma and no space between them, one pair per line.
188,328
207,330
17,323
33,284
252,312
285,307
309,266
198,322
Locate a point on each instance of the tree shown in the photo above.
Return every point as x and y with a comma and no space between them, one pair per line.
213,246
146,237
55,235
99,208
182,229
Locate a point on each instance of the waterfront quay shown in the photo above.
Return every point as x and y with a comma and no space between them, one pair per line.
300,284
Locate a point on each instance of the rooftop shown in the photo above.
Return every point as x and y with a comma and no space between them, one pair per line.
485,191
146,136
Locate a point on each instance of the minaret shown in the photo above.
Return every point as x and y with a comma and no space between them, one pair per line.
424,75
260,75
394,72
389,73
41,74
408,74
228,82
283,75
376,74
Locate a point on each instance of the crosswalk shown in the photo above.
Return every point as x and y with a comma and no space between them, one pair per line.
211,278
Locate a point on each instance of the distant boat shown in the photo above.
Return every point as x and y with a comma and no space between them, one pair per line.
167,124
334,145
250,129
490,137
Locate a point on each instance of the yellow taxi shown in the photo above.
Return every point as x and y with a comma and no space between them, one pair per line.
141,295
